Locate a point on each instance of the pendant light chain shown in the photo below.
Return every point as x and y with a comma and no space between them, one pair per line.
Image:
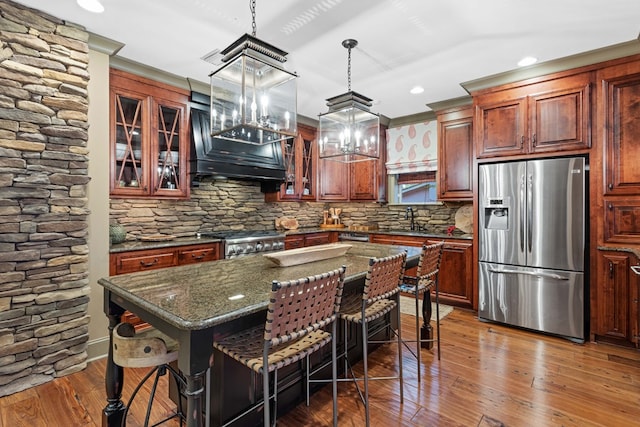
252,6
349,71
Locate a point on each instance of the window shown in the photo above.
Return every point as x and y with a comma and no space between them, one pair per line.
413,188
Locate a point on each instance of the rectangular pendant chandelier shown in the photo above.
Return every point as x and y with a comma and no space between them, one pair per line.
253,98
349,132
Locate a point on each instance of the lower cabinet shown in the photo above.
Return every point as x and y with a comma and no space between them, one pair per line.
152,259
456,268
615,309
295,241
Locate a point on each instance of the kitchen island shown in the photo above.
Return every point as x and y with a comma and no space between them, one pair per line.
196,303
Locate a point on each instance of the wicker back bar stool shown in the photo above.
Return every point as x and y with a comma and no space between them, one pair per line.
298,315
148,348
379,297
420,286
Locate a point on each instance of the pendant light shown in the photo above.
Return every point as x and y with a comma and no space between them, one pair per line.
253,98
349,132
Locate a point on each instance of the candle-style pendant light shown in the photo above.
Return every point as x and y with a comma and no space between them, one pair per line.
253,98
349,132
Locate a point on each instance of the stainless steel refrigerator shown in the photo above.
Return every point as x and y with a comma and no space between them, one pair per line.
532,245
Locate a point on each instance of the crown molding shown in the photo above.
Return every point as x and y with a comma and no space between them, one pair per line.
104,45
462,101
591,57
425,116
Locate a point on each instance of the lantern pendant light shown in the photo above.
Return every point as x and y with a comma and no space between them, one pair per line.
349,132
253,98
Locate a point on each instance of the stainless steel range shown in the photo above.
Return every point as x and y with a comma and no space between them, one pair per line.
242,243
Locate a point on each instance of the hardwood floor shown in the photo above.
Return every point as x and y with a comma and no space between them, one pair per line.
489,375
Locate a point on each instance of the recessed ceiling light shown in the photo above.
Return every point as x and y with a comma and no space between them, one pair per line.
416,90
91,5
527,60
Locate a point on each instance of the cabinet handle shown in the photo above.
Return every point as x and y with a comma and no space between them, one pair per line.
610,270
610,206
194,256
522,141
533,139
149,264
610,186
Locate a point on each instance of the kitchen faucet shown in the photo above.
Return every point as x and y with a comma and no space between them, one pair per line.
406,216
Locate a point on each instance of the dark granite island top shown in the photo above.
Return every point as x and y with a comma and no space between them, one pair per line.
191,303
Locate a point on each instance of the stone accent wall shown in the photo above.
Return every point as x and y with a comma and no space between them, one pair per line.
239,205
44,286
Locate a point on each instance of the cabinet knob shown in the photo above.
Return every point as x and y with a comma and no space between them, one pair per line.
610,206
522,141
610,186
533,139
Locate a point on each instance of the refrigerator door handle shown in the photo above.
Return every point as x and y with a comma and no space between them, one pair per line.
529,213
521,208
529,273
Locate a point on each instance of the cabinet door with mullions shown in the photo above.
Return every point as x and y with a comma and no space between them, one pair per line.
171,161
149,138
129,127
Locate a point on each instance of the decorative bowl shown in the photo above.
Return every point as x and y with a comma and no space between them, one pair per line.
309,254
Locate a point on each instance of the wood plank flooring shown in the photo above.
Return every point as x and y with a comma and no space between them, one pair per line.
489,375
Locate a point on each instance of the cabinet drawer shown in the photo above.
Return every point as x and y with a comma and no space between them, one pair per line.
622,221
198,254
293,242
145,260
317,239
387,239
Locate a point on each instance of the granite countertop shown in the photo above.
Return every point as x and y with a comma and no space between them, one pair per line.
631,249
137,245
390,232
202,295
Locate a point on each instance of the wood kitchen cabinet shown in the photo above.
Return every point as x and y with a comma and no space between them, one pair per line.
455,154
149,138
546,117
153,259
295,241
456,267
300,167
619,110
359,181
616,305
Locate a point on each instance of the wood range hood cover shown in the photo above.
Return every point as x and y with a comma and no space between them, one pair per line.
224,158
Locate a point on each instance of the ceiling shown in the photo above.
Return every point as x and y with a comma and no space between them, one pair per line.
436,44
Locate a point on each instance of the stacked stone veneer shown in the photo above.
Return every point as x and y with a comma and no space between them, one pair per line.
239,205
44,285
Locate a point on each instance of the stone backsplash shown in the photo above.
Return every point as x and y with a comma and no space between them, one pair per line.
239,205
44,285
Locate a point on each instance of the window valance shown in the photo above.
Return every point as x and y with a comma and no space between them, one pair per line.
412,148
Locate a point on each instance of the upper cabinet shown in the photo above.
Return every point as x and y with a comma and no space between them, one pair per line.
620,111
300,167
549,116
359,181
149,138
455,154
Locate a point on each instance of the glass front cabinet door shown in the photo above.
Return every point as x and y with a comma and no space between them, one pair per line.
149,138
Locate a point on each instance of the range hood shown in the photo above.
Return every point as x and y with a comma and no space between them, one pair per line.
228,159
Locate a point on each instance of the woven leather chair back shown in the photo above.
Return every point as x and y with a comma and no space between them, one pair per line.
300,306
429,264
384,277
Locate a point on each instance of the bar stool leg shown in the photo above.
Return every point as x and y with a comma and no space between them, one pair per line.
365,351
418,343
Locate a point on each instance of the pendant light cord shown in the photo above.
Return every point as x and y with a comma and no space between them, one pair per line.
252,7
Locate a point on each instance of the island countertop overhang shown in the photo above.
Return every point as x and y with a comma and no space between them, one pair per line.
200,296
